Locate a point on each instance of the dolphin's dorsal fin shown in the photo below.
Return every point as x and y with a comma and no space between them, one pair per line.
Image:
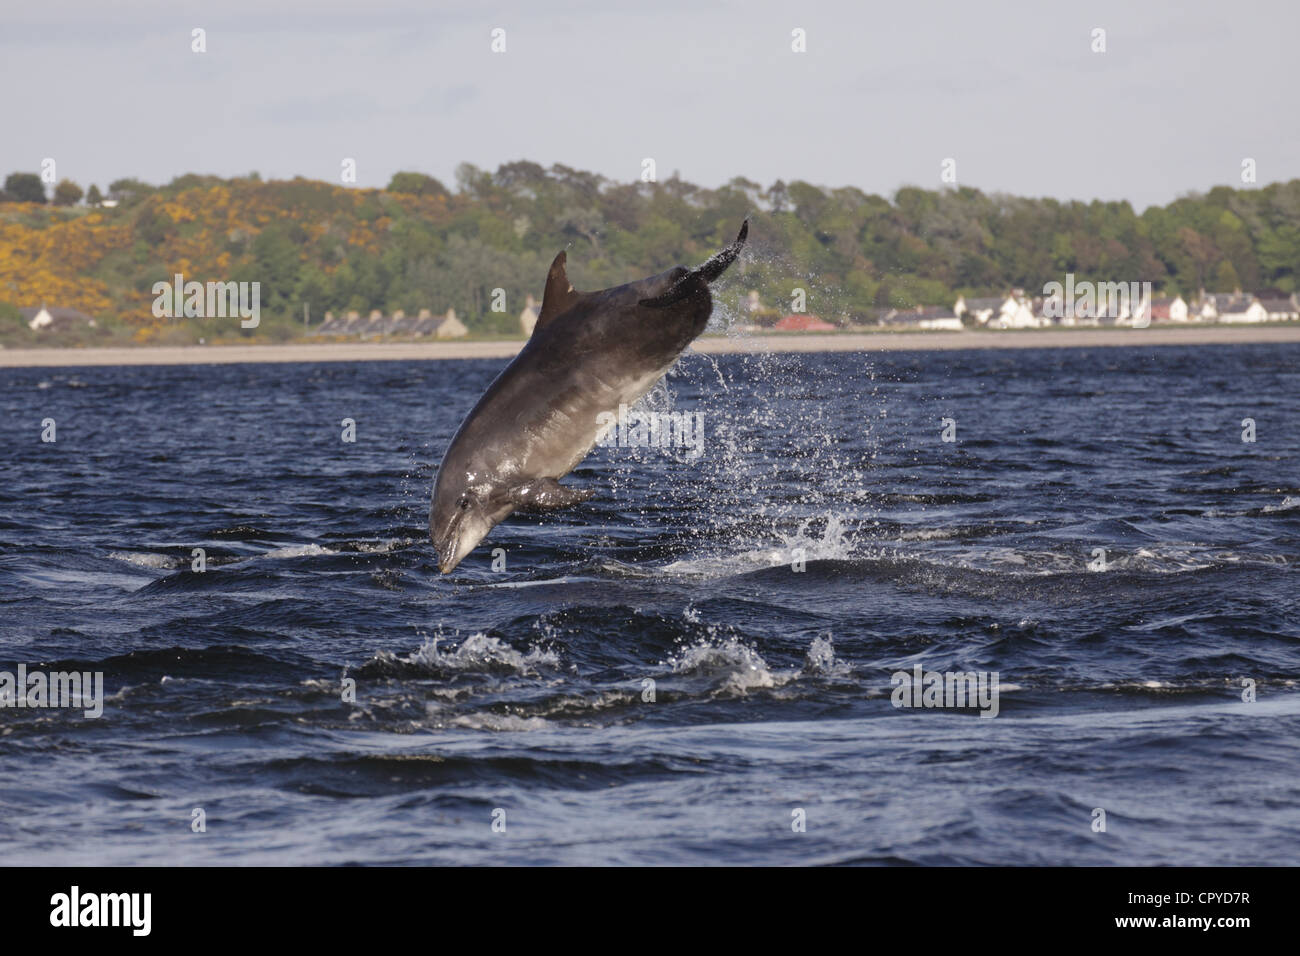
559,294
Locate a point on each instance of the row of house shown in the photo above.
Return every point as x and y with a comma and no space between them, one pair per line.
1234,307
445,326
1012,311
1018,311
773,319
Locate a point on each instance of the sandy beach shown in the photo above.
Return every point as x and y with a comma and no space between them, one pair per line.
711,344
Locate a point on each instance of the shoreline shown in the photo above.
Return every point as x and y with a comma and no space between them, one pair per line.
709,345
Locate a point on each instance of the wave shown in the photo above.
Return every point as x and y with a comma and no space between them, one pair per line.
478,653
1289,503
835,543
146,559
737,667
499,722
297,551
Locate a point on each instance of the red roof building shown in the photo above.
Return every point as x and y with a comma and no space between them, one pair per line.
803,323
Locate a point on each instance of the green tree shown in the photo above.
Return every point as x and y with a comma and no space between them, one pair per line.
128,190
154,225
25,187
67,193
93,196
1225,278
416,184
276,264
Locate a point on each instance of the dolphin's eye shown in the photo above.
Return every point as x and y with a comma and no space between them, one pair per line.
463,503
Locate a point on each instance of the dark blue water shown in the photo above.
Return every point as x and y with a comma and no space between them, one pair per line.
522,690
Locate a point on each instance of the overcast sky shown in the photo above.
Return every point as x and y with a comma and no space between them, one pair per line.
883,95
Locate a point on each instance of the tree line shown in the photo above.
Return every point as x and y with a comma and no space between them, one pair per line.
418,243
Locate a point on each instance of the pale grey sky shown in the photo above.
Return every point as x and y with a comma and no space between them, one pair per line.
1010,89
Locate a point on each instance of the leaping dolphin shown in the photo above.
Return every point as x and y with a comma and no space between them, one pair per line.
589,353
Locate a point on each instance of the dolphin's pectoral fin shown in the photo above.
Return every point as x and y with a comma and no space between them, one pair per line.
543,494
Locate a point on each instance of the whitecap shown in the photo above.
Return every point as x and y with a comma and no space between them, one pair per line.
1289,503
479,652
744,667
298,551
504,722
145,559
835,543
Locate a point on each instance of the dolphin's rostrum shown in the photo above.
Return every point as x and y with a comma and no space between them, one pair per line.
589,353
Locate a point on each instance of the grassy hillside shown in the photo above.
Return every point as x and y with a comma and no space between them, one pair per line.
419,245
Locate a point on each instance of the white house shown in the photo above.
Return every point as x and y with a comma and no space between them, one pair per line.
451,327
1140,317
1057,310
980,310
1280,310
1214,305
399,323
1016,314
1052,310
1130,311
331,325
426,323
924,317
941,319
56,319
377,324
1241,310
1165,309
528,317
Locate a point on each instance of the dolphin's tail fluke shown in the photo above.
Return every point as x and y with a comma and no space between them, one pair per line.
699,278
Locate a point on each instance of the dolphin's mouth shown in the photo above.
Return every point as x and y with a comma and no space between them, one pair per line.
463,534
447,561
447,548
448,554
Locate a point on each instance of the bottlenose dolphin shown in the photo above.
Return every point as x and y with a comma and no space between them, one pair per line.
589,353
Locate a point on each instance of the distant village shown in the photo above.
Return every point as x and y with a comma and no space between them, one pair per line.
445,326
1015,310
377,324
